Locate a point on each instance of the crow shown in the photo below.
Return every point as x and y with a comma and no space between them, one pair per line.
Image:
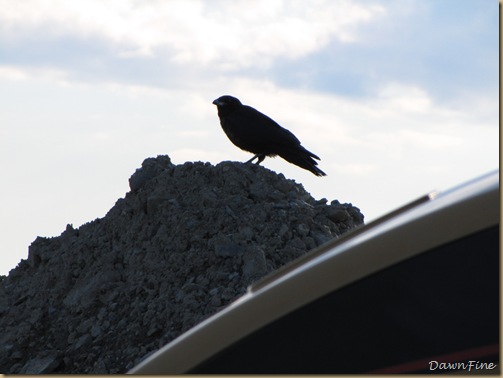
255,132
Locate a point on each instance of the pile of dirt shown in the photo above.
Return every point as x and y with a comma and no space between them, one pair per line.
184,242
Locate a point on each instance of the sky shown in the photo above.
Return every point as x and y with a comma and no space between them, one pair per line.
397,97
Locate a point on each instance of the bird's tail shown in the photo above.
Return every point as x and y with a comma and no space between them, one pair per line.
302,158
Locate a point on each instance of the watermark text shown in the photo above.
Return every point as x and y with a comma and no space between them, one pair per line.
468,366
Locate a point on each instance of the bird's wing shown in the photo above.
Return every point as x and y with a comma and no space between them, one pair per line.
256,127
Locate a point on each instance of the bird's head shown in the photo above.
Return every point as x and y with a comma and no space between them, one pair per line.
227,102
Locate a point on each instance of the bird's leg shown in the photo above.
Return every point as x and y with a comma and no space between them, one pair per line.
253,158
260,158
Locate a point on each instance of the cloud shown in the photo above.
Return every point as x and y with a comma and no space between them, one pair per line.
355,169
12,73
403,98
181,155
333,46
234,34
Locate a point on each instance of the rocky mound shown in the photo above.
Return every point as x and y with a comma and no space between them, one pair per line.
183,243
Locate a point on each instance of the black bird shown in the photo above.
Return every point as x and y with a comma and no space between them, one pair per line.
255,132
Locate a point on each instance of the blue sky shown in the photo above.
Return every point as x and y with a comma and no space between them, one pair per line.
398,98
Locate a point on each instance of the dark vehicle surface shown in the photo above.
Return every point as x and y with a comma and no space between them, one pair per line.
416,291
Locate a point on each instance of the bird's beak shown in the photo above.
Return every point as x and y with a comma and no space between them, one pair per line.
216,102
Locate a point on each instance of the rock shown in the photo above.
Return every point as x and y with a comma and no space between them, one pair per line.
254,263
181,245
44,365
150,168
228,249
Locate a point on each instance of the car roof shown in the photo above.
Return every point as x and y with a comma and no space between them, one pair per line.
431,220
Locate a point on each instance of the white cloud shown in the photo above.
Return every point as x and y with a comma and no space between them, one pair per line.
12,73
194,133
404,98
443,139
182,155
355,169
232,33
